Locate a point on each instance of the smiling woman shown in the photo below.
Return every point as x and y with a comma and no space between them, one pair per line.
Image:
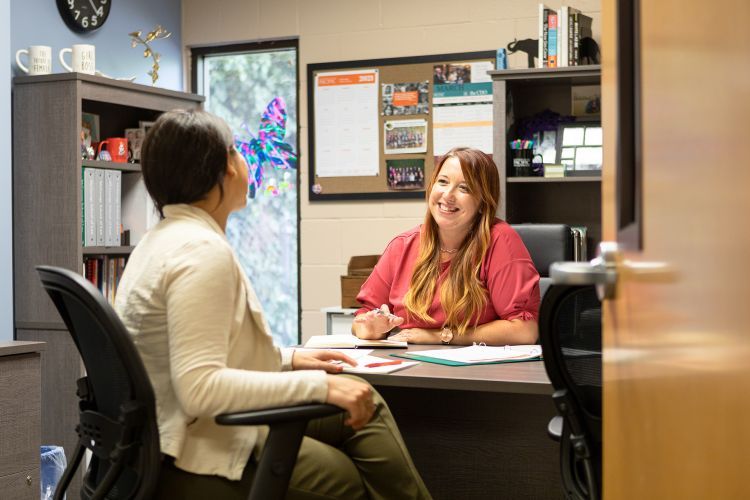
463,276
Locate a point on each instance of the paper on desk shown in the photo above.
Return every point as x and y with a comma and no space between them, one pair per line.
484,354
366,360
347,341
363,358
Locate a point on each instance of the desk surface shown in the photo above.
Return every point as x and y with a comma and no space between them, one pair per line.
521,378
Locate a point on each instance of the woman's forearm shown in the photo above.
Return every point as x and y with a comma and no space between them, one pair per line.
501,332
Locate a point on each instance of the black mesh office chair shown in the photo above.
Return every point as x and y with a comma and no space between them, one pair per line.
570,335
546,243
117,409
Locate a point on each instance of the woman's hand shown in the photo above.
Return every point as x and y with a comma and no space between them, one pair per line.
353,396
375,324
418,336
320,360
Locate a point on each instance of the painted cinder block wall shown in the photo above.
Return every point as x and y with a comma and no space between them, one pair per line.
341,30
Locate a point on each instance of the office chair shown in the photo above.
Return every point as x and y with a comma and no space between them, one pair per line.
117,407
570,335
546,243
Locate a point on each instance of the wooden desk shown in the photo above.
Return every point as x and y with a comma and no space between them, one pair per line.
476,432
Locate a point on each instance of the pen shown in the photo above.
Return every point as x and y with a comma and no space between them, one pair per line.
383,363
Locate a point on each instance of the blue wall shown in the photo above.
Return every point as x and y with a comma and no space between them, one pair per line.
6,206
38,22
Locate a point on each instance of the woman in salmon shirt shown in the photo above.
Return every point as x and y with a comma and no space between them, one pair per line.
463,276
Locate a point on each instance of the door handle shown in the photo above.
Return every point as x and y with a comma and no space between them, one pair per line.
607,269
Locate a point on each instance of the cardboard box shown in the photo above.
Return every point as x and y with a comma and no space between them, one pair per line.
357,272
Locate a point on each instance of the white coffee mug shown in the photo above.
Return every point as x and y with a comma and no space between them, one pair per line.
83,59
40,60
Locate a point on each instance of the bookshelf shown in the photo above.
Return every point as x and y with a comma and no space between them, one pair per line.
576,201
47,210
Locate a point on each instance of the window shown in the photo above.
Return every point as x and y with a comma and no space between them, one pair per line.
239,83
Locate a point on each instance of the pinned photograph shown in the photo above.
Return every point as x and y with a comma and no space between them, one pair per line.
406,98
405,174
405,136
451,73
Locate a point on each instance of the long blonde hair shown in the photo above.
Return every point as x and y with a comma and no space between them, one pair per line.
462,294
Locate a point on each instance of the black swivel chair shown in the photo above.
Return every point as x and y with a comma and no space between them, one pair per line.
546,243
117,408
570,335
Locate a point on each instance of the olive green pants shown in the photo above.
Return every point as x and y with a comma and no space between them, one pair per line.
334,462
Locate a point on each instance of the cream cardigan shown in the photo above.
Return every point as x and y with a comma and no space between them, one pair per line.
200,331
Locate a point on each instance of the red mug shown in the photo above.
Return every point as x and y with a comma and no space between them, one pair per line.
117,147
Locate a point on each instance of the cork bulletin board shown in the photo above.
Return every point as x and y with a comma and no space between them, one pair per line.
372,123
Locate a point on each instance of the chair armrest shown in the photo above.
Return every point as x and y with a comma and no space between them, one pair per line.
278,415
554,428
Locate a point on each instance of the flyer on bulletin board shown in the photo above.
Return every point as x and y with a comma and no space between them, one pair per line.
462,116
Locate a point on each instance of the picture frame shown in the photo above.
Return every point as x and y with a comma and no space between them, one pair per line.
145,126
579,148
89,129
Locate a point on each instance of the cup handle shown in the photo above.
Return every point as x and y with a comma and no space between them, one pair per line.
99,149
62,59
18,60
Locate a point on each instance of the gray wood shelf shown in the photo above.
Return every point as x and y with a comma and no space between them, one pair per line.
111,165
522,93
47,211
125,250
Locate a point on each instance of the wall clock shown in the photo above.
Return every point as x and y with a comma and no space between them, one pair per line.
84,16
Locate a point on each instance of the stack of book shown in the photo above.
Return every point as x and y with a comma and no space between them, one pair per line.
560,34
101,207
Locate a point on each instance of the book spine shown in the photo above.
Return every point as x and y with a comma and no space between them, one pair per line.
552,37
89,212
108,208
540,40
562,38
117,219
545,41
99,206
576,40
571,59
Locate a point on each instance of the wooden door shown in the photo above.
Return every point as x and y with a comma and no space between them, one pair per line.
677,352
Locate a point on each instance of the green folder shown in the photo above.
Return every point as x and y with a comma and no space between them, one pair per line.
437,361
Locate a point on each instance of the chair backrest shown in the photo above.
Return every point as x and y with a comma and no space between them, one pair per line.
546,243
117,417
570,335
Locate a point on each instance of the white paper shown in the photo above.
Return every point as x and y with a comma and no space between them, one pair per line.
393,365
568,153
467,125
346,123
572,136
347,341
593,136
479,71
589,158
483,354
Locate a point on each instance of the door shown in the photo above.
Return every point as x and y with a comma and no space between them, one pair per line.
677,344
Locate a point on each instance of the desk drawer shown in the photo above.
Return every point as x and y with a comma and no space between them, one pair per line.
20,400
21,485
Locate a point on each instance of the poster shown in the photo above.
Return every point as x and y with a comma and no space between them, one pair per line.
406,98
346,123
462,116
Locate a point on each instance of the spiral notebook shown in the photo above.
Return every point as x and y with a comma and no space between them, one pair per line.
477,354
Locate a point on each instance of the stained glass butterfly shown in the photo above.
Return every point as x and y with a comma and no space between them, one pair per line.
269,148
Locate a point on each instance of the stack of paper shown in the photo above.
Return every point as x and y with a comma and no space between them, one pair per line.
349,342
477,355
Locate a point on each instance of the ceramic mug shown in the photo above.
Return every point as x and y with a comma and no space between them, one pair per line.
83,59
117,148
40,60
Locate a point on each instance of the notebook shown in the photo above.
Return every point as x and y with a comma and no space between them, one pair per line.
476,355
345,341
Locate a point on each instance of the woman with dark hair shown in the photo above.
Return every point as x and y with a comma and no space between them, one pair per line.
463,276
203,338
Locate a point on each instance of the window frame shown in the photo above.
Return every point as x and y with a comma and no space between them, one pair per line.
197,55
